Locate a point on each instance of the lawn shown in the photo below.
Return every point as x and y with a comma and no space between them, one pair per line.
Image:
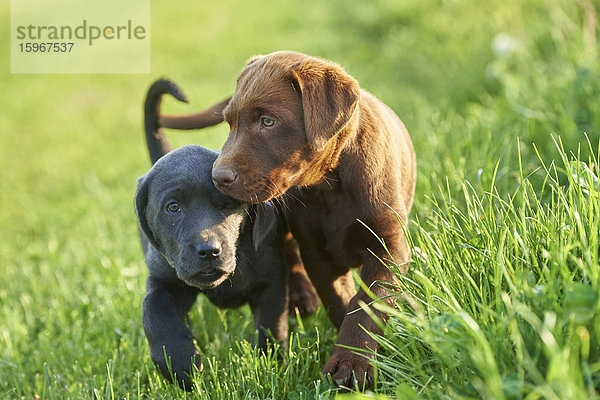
502,300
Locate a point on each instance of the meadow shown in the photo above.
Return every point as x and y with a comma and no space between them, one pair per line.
502,299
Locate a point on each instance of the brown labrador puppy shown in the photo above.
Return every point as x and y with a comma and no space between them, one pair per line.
338,159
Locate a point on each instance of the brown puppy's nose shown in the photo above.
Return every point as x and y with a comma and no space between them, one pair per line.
223,176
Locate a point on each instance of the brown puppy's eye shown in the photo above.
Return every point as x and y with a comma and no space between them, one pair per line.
173,207
267,122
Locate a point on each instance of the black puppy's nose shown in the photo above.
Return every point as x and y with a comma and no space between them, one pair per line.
207,251
223,176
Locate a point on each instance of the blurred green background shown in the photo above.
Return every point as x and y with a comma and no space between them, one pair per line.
472,80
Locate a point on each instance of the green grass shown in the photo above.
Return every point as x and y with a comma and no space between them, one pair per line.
502,299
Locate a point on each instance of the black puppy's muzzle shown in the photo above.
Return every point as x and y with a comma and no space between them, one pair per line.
206,265
208,251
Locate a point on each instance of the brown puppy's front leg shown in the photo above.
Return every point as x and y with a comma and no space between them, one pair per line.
351,368
335,289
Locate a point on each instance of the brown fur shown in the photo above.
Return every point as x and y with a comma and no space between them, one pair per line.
209,117
335,155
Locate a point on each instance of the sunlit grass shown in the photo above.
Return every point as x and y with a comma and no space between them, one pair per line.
501,300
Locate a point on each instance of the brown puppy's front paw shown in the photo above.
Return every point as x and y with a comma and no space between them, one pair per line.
302,295
349,371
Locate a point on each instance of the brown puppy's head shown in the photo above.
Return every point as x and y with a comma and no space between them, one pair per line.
287,117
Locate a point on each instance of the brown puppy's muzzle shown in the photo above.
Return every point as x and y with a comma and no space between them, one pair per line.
223,177
241,179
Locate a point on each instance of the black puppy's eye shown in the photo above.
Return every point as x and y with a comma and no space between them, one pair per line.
267,122
173,207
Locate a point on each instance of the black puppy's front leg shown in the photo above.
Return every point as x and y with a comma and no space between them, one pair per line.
164,310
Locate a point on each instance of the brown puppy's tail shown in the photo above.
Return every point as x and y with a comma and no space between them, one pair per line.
158,144
209,117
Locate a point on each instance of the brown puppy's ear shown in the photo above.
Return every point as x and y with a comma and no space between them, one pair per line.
329,98
141,201
265,222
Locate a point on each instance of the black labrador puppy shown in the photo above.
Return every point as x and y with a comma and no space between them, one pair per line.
197,240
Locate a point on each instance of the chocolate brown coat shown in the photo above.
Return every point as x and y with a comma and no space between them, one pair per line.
337,159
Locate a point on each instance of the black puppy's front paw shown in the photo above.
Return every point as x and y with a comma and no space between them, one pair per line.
177,366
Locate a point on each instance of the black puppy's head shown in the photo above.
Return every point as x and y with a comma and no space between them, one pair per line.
193,226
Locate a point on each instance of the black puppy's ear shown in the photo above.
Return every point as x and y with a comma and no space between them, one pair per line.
265,222
141,202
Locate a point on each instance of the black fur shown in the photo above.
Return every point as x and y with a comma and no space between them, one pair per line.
208,243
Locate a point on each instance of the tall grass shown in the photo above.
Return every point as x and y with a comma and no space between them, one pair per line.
503,298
